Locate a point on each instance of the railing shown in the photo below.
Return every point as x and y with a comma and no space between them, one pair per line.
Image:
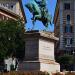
68,34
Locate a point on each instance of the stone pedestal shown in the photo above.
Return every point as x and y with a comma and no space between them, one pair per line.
39,52
39,66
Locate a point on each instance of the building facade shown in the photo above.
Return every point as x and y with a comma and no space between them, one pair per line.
11,9
64,20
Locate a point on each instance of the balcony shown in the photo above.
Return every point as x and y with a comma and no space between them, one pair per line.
68,34
68,46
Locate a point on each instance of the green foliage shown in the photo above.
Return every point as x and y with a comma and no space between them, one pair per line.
66,59
11,37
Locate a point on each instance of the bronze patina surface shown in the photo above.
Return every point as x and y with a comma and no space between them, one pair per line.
39,11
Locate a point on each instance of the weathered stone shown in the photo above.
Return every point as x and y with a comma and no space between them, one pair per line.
39,52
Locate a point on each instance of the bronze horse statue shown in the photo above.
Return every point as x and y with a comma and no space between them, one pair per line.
39,11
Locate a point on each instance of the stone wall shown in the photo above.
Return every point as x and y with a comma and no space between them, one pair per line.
50,67
31,48
46,49
39,52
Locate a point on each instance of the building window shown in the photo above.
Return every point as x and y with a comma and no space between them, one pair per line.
71,41
3,17
71,30
7,18
11,6
68,42
67,6
68,29
68,18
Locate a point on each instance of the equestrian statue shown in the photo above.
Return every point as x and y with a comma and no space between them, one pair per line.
40,12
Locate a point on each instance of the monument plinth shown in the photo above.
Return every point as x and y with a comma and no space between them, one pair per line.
39,52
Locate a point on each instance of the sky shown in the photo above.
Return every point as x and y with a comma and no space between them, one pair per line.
38,25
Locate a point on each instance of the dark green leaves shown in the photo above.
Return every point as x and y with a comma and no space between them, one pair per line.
11,37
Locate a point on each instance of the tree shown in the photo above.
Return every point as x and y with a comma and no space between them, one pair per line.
20,42
66,61
11,38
